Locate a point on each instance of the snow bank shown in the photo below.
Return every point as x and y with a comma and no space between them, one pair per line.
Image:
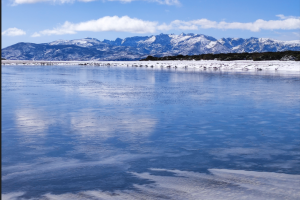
244,65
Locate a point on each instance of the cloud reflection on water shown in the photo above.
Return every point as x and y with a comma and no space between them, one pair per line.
100,127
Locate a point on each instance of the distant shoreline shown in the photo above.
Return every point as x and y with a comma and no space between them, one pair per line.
244,65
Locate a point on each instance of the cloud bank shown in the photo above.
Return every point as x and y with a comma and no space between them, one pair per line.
166,2
134,25
13,32
285,23
17,2
115,23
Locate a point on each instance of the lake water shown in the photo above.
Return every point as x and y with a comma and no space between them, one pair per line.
74,132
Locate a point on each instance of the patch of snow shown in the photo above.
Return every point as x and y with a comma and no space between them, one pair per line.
248,65
211,44
236,47
148,41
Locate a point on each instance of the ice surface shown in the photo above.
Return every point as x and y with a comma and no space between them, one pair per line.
219,184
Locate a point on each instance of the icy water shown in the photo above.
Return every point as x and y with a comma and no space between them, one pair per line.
73,132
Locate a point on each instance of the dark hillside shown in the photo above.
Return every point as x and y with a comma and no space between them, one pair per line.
285,55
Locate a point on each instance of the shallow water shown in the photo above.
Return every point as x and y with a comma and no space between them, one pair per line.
116,132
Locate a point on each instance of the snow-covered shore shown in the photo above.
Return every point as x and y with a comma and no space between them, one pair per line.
244,65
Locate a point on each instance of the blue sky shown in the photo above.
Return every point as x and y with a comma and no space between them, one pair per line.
40,21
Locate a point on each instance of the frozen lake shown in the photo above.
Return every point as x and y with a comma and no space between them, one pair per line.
83,132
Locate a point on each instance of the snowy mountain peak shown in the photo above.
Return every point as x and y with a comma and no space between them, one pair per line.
85,42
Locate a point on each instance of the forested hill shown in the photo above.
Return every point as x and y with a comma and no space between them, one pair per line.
284,56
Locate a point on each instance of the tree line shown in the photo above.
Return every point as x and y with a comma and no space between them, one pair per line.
284,55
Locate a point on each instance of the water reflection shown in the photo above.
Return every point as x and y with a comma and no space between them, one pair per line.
84,132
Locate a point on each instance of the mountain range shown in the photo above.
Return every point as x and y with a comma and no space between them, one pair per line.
138,47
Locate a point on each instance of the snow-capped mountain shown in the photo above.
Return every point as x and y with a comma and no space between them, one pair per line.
86,42
163,44
135,48
239,45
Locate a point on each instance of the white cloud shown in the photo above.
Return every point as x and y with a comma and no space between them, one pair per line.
281,16
297,34
169,2
115,23
16,2
36,35
288,23
13,32
134,25
285,17
166,2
